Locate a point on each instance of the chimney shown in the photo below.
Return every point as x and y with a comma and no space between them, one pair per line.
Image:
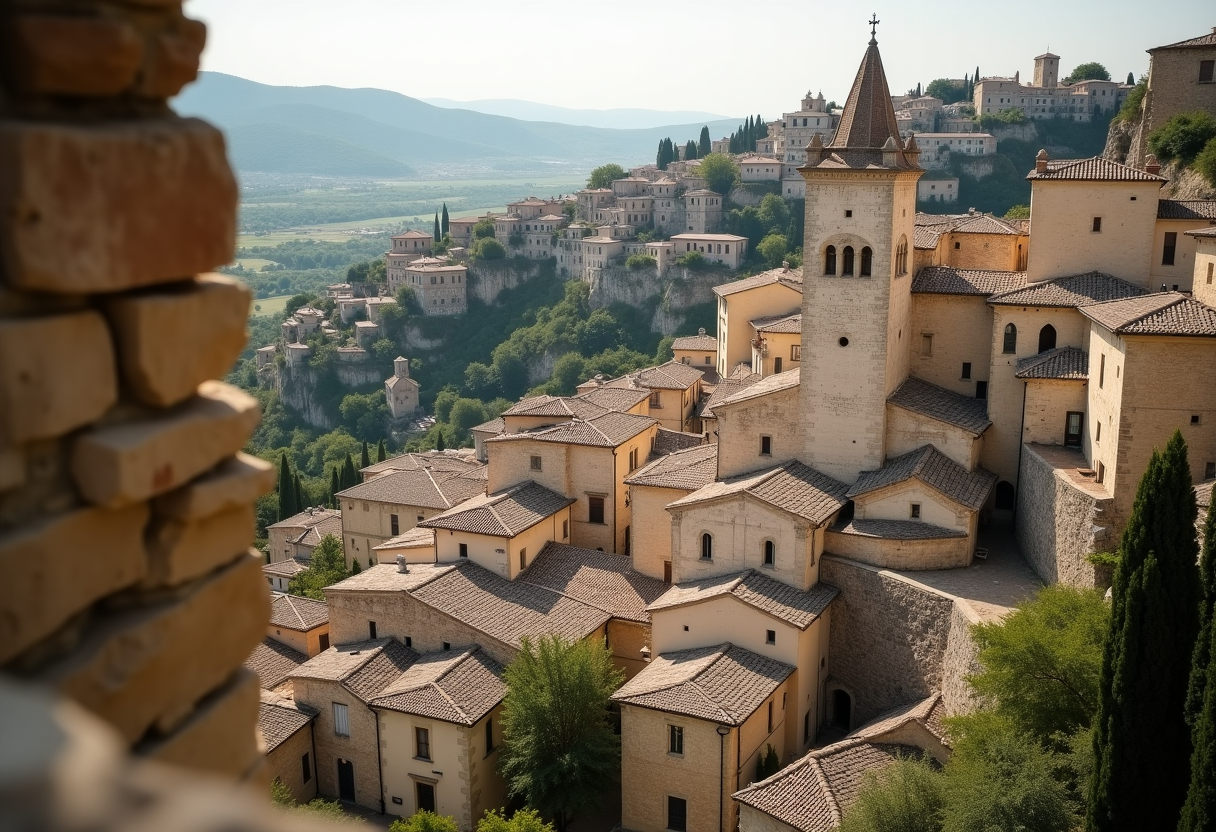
700,330
402,566
1040,162
971,211
1151,165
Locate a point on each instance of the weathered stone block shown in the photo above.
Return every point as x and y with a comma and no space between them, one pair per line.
56,567
220,736
57,374
180,551
113,206
172,60
234,482
134,667
78,56
124,463
12,468
174,338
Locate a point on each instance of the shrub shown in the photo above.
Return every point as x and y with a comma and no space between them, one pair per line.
693,260
1183,137
1018,212
907,797
487,248
483,229
424,821
1205,162
640,261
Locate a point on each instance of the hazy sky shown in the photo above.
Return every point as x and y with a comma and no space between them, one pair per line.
731,57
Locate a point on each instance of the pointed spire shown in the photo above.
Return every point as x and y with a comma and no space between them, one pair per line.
868,121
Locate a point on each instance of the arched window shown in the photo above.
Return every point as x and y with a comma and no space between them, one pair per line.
1011,338
1047,338
901,256
707,546
770,553
847,271
867,261
829,260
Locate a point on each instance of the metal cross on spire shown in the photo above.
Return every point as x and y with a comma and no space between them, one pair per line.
874,21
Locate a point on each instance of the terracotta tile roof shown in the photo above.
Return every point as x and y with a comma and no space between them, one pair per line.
284,568
279,718
364,667
296,613
788,323
1201,232
620,399
791,278
603,580
274,662
984,224
1203,40
726,388
700,343
306,519
459,686
384,577
560,406
813,794
504,514
934,469
763,387
605,431
669,441
1186,209
493,427
420,487
724,684
1167,313
507,610
966,412
769,595
926,238
944,280
415,538
927,712
792,487
1072,291
687,470
674,375
868,121
1064,363
897,530
439,462
1095,169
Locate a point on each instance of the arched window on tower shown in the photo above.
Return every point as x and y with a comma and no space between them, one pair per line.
1047,338
901,256
829,260
1011,338
707,546
867,261
847,271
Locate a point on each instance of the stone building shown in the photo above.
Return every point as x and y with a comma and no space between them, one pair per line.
300,623
1046,96
439,286
772,293
1181,79
296,537
400,390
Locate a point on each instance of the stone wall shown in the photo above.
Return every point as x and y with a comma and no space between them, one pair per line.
113,433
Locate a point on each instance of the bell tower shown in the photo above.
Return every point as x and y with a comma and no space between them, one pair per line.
857,276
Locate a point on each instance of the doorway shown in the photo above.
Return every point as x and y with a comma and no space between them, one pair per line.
346,780
426,797
1072,429
842,709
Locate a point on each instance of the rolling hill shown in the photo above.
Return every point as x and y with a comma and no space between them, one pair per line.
623,118
360,132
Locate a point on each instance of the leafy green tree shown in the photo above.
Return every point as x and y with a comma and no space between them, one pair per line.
443,403
1183,137
524,820
288,506
480,380
1018,212
1091,71
767,764
487,248
326,567
948,90
704,144
559,748
605,175
511,370
443,220
365,415
905,797
690,150
384,350
599,332
1205,162
1141,739
466,414
483,229
720,172
773,248
636,262
774,214
424,821
1201,657
350,474
568,372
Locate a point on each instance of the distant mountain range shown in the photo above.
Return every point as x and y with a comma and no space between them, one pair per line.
376,133
624,118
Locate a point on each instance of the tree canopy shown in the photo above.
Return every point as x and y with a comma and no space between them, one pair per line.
720,172
1091,71
704,143
605,175
326,567
907,797
949,90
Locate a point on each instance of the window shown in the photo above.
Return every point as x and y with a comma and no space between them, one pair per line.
654,399
523,559
1097,432
796,352
1207,71
770,716
770,553
341,721
867,261
1101,472
1047,338
393,525
489,736
846,213
829,260
1194,418
926,345
306,767
633,459
966,369
675,739
464,550
1101,369
535,463
914,511
409,641
1209,470
1171,244
324,641
422,743
1011,339
447,645
777,364
766,446
565,529
770,636
1211,268
806,727
366,507
707,546
371,630
847,271
677,814
595,509
1097,225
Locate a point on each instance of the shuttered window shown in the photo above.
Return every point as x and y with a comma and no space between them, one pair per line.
341,720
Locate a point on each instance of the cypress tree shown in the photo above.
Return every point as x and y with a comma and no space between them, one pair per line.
443,219
381,451
706,144
287,494
1202,655
439,446
690,150
350,476
1131,80
1199,811
658,156
334,487
1142,745
365,460
301,501
436,231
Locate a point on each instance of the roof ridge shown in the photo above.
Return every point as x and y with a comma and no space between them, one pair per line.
430,476
292,604
830,796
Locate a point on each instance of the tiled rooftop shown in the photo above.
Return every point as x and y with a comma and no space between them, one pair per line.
1072,291
274,662
1208,39
1186,209
791,278
280,717
504,514
944,280
726,388
415,538
674,375
560,406
453,686
1062,363
284,568
363,668
669,441
927,712
606,431
1095,169
422,487
445,462
306,519
769,595
724,684
688,469
762,387
787,324
966,412
897,530
493,427
620,399
792,487
1167,313
700,343
603,580
936,470
296,613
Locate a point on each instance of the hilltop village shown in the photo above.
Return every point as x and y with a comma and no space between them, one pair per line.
783,533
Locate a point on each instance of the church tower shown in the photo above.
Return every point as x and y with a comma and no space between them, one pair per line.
857,262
